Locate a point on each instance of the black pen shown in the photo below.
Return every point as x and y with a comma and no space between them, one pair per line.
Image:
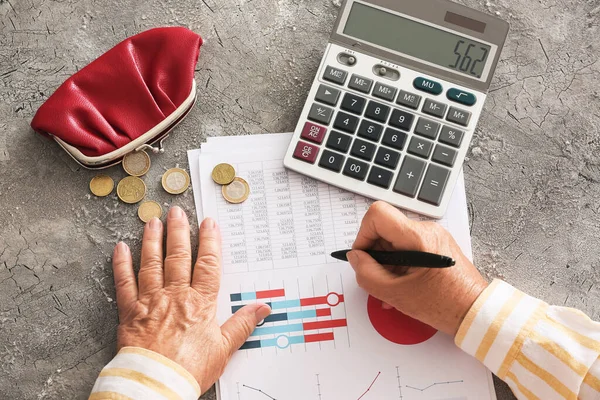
403,258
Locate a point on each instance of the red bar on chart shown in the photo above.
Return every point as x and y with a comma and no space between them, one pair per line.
332,323
266,294
319,337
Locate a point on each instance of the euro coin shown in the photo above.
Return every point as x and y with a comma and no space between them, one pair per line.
148,210
102,185
136,163
175,180
131,189
237,191
223,174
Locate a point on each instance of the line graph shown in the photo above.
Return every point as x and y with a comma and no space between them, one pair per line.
370,386
399,384
259,391
433,384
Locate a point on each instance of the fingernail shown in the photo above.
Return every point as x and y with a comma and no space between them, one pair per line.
154,224
208,223
121,248
176,212
352,257
263,312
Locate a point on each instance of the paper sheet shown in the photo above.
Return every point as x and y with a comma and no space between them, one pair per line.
325,340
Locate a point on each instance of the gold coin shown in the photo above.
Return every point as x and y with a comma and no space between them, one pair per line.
175,180
148,210
223,174
237,191
136,163
131,189
102,185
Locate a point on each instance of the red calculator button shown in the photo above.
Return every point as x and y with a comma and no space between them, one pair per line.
306,152
314,133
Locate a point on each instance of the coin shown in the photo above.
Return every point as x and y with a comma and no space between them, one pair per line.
148,210
136,163
175,180
102,185
223,174
237,191
131,189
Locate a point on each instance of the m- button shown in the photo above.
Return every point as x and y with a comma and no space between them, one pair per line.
361,84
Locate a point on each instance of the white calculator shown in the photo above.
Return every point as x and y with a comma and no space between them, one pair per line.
392,110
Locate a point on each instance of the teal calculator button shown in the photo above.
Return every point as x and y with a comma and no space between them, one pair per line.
460,96
427,85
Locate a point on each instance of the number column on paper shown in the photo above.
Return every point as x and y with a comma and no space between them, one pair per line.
256,219
345,218
327,220
310,238
281,219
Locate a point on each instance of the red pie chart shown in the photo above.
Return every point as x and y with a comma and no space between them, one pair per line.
396,326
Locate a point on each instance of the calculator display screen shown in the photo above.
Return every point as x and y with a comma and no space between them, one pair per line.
415,39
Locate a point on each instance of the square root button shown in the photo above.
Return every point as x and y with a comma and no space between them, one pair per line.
313,132
306,152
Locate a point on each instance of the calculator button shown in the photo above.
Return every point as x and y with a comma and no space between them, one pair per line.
409,176
434,108
328,95
408,99
377,111
451,136
319,113
306,152
370,130
427,85
460,96
361,84
314,133
420,147
394,138
401,119
362,149
384,91
338,141
353,103
356,169
380,177
444,155
459,116
434,184
346,122
387,158
332,161
335,75
426,127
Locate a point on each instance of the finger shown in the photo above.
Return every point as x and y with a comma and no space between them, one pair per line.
370,275
384,221
151,269
178,263
127,291
207,271
386,306
240,326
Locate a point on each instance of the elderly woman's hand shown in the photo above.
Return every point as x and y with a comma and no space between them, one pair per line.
171,309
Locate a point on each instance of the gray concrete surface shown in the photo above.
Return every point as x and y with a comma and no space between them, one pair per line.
533,175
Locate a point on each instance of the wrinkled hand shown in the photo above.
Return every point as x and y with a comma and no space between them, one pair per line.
172,311
438,297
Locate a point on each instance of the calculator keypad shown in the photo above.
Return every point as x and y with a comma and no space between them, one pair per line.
377,111
356,169
420,147
361,84
401,119
353,103
394,138
434,184
332,161
427,128
380,177
410,176
384,92
434,108
346,122
320,113
313,132
363,149
408,99
338,141
370,130
388,158
328,95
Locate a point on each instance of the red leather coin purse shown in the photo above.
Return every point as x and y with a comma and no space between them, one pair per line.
127,99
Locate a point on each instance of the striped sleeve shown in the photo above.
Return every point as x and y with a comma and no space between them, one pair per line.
541,351
140,374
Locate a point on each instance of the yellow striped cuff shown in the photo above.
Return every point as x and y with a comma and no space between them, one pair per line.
137,373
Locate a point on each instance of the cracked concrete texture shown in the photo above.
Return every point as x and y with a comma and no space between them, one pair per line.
533,174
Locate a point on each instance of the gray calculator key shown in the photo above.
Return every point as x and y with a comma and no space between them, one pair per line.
428,128
434,184
420,147
459,116
444,155
434,108
328,95
408,99
384,92
410,176
319,113
380,177
361,84
335,75
451,136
